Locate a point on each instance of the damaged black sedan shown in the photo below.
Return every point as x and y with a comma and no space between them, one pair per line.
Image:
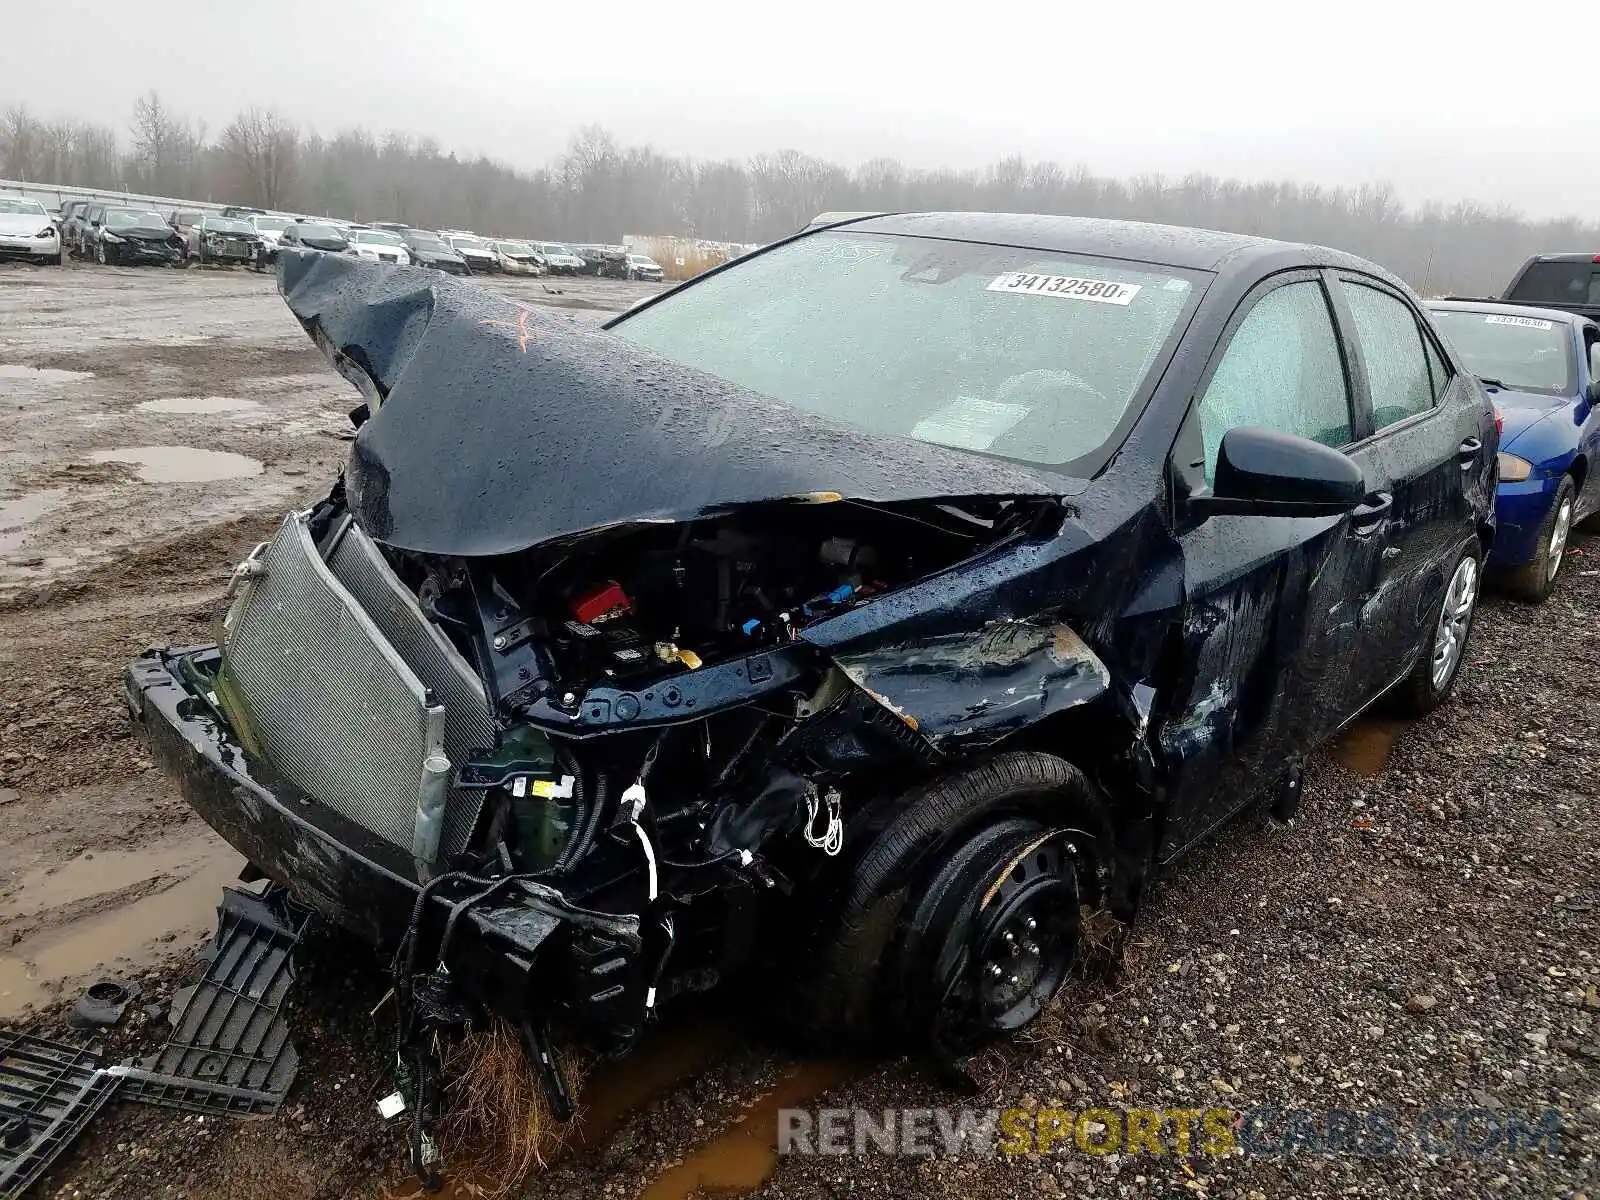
867,608
121,234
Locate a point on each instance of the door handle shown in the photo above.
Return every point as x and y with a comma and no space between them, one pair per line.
1369,515
1467,452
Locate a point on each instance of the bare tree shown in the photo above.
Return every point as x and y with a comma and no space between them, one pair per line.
263,146
21,143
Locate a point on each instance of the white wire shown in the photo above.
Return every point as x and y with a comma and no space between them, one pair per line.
832,839
649,856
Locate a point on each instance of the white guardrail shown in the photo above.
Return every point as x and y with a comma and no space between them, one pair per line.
52,196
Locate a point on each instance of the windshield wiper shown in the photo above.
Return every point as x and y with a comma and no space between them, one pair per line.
1488,382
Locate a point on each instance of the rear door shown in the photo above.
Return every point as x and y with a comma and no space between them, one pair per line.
1428,461
1260,669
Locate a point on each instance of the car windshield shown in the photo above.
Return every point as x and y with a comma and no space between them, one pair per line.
557,248
12,204
381,237
226,225
514,248
119,218
427,241
468,243
320,232
1530,354
1025,354
1575,283
271,224
640,260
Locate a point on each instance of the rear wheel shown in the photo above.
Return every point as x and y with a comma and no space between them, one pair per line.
1535,581
1434,675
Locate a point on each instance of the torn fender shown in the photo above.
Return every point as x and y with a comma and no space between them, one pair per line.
966,691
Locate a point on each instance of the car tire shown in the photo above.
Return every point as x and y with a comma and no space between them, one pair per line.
100,255
1534,581
1440,659
910,894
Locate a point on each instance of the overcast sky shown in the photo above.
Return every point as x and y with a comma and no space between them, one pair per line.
1436,98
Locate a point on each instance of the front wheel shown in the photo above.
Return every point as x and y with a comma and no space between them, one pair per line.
1439,662
1535,581
958,919
100,255
992,937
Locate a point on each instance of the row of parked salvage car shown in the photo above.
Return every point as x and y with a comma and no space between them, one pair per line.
872,668
130,234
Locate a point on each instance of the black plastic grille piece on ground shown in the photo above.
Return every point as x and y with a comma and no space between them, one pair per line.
48,1092
230,1051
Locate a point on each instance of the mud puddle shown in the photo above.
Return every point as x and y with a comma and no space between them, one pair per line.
109,909
43,374
667,1056
181,464
198,406
744,1156
17,515
1366,745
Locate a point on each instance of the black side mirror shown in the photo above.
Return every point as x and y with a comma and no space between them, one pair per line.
1592,392
1261,472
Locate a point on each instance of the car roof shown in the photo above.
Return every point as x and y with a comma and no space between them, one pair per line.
1139,241
1588,256
1460,304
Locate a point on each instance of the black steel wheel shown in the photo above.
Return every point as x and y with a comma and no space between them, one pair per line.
929,898
993,936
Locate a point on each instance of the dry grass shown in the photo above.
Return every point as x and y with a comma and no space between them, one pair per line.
498,1128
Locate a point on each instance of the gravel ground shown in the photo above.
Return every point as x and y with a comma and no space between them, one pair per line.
1422,940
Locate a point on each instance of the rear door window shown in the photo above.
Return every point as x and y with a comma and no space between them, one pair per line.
1398,376
1282,370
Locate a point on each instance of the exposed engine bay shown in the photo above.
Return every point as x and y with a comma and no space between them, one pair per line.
639,611
642,603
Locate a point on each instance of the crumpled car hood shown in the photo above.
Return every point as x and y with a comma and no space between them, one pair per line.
502,426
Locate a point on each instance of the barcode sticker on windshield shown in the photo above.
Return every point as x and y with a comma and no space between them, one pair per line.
1525,322
1071,287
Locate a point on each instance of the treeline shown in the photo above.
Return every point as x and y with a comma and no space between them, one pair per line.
599,190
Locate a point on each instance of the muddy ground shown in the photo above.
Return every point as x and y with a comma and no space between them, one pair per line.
1423,938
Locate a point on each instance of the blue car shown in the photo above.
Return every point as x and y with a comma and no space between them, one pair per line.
1541,368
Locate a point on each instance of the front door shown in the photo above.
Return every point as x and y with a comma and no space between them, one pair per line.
1260,667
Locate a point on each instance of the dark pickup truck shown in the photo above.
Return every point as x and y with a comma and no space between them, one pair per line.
1565,281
